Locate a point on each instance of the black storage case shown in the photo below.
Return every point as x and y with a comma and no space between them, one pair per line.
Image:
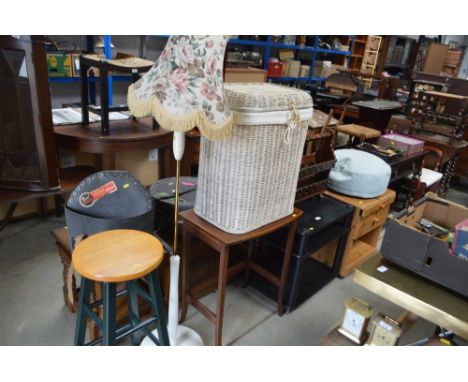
323,221
163,192
128,206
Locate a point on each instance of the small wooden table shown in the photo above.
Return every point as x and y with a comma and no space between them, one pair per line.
377,112
359,133
222,241
415,294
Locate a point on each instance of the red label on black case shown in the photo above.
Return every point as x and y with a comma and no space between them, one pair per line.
87,199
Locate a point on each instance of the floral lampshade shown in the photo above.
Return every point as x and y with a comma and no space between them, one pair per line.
184,88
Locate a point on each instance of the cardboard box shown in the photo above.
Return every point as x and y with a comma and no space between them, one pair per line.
286,55
304,71
244,75
326,68
59,65
285,71
321,67
406,245
294,68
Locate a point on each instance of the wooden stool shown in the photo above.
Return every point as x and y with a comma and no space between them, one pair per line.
221,241
70,292
358,133
117,256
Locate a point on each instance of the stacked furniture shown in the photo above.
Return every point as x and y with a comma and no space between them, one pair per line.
439,119
317,161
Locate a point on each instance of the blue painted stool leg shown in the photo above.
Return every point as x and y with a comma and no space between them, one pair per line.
109,302
133,311
81,316
157,305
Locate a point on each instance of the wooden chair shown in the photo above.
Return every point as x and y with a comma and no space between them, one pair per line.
430,176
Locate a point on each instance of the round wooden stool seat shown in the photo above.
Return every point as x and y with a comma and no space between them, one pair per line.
117,255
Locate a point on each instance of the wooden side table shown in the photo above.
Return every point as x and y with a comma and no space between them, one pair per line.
222,241
368,220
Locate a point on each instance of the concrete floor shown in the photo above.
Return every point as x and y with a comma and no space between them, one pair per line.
32,311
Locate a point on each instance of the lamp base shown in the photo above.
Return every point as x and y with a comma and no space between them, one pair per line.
185,337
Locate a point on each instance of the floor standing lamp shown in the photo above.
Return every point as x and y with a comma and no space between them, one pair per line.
183,90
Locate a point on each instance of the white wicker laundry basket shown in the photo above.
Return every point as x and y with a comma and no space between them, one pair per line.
250,180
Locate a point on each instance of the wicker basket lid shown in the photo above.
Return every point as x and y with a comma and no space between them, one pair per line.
262,97
263,104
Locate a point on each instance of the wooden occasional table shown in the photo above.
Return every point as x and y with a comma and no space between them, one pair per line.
358,133
125,136
415,294
377,112
222,242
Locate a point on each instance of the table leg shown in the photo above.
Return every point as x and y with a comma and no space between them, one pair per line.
184,273
250,254
285,267
222,281
9,215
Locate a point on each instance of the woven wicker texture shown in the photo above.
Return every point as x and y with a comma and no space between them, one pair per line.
250,180
265,97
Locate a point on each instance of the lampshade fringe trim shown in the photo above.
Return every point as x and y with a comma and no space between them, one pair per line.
196,118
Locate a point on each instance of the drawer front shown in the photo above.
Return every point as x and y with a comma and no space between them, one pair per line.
379,204
370,222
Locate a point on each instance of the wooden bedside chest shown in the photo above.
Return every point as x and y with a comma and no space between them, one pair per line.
368,220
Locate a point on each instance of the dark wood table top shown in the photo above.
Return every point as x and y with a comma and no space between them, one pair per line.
397,160
379,104
124,135
229,239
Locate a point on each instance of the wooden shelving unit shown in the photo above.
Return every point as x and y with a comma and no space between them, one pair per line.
270,48
357,53
370,58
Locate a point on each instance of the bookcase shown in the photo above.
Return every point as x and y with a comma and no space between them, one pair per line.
370,58
357,53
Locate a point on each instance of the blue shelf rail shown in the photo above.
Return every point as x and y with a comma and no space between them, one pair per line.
269,45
